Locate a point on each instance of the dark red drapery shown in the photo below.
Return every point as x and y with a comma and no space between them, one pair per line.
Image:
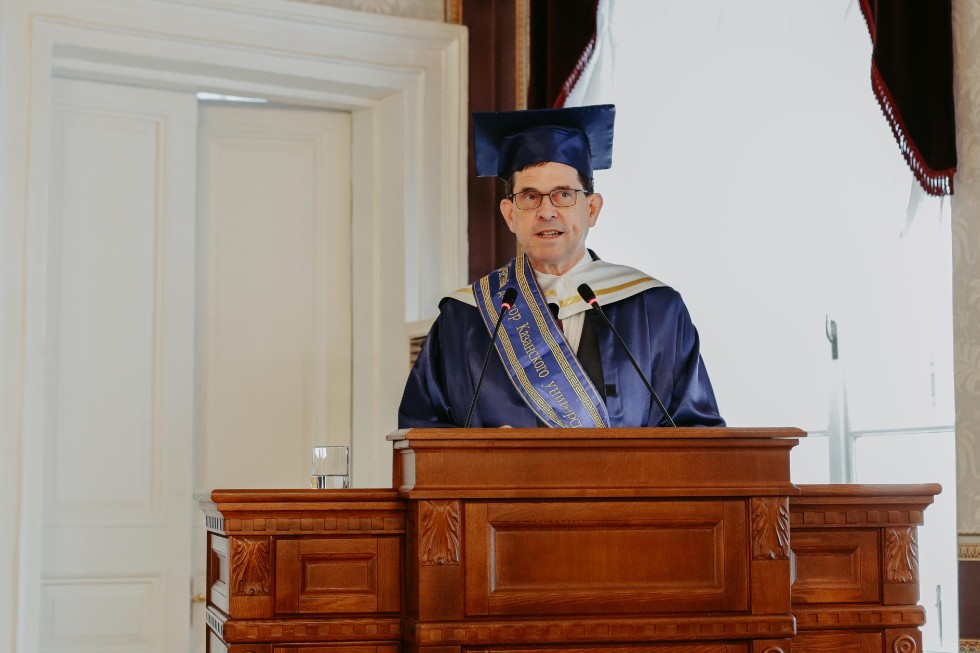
563,35
912,77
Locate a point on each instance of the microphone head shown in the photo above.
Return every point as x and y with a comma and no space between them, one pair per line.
585,292
553,307
509,296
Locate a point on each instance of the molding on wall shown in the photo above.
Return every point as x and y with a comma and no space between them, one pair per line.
969,552
522,59
966,264
423,9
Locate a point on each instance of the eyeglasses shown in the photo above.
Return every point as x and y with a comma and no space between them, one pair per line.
560,197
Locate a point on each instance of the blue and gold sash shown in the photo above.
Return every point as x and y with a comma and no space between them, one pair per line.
538,359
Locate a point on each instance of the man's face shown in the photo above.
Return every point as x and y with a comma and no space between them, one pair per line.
552,237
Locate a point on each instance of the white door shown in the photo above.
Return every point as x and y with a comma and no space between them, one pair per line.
274,298
118,392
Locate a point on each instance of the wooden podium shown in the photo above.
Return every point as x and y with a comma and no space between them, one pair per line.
565,541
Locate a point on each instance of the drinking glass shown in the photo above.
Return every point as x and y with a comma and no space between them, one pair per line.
331,468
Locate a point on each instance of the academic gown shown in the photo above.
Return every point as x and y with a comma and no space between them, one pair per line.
654,323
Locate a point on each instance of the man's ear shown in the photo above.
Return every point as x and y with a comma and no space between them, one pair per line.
507,210
595,207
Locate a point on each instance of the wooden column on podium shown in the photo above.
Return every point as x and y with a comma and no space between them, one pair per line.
565,541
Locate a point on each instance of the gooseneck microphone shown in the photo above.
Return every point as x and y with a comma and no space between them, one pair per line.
505,305
586,293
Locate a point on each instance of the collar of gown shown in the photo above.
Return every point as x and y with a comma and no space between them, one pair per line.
610,282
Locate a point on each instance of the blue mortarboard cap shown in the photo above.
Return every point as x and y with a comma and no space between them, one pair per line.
507,141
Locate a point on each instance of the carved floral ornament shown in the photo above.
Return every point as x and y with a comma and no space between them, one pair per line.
901,556
770,528
905,644
439,532
251,566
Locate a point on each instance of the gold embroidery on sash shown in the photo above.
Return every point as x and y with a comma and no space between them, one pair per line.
556,351
515,364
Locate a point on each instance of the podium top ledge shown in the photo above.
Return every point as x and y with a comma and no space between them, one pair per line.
655,433
242,496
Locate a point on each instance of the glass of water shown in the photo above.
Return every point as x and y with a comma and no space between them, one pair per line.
331,468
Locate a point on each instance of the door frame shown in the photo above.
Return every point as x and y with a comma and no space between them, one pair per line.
404,82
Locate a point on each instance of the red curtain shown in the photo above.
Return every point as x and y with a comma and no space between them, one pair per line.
562,38
912,77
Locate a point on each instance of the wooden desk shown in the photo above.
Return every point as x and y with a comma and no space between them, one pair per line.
857,567
632,540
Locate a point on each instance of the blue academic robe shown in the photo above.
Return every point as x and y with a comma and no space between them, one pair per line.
654,323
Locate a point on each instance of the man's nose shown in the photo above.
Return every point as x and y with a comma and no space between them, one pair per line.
547,208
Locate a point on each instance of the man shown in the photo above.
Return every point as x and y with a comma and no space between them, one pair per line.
557,362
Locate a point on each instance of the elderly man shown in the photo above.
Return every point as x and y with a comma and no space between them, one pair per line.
557,363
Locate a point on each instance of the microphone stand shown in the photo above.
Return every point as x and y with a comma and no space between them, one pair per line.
586,293
508,301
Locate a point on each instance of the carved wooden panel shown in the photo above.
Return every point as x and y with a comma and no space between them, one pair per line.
250,572
251,568
836,566
905,644
308,525
770,528
315,629
901,556
439,532
599,632
602,557
338,575
857,616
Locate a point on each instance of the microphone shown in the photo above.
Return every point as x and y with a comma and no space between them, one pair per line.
586,293
505,305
